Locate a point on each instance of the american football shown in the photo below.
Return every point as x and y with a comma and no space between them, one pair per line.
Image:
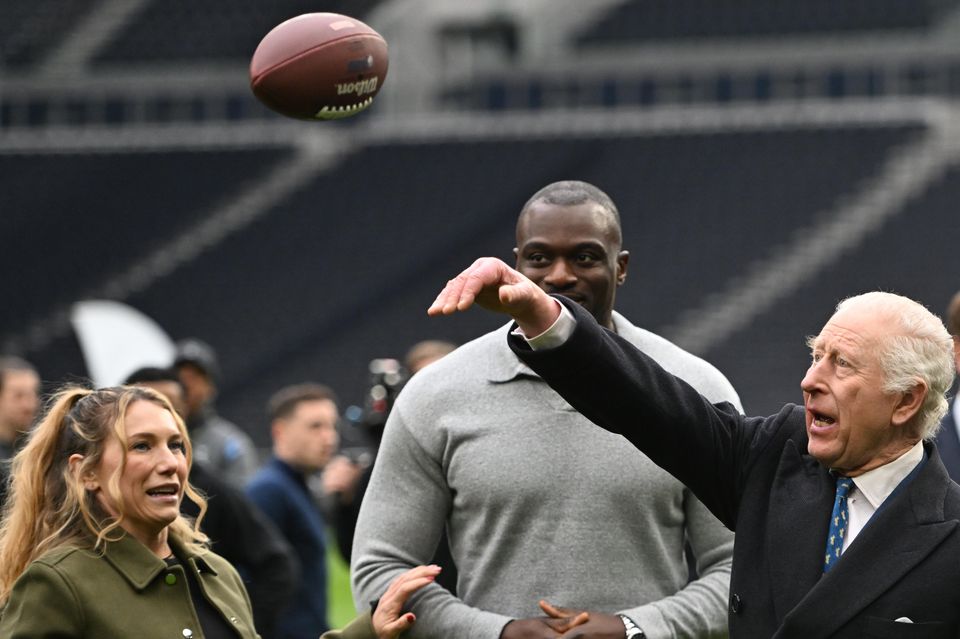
321,66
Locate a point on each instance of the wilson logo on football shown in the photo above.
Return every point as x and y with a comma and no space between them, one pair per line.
360,87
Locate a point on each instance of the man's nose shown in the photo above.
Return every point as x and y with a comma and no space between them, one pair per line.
813,378
560,274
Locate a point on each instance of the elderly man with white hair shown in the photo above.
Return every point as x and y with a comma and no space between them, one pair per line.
847,522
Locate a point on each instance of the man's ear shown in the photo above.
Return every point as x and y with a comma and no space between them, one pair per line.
909,403
276,431
90,482
623,260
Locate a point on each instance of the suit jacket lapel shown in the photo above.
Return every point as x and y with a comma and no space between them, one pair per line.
896,539
801,500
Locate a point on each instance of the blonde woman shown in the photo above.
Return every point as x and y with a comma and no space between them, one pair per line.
92,543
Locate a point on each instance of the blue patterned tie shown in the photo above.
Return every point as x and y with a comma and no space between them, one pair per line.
838,524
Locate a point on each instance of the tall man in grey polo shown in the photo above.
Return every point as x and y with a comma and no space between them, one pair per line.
537,503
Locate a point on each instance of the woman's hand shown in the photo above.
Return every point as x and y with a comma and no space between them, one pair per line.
389,620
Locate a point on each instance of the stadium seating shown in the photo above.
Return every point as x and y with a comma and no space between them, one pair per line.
341,273
914,255
28,28
209,30
639,21
78,219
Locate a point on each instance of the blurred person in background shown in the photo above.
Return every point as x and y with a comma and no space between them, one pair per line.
537,503
345,479
948,438
19,403
426,352
238,531
93,544
219,443
303,426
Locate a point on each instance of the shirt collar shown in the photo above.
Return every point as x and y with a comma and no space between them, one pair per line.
504,366
139,566
877,484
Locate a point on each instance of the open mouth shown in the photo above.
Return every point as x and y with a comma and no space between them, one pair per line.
821,420
164,492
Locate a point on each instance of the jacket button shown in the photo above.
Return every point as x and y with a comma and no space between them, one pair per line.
170,579
735,604
187,633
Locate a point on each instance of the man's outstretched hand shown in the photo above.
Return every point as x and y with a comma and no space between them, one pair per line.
493,285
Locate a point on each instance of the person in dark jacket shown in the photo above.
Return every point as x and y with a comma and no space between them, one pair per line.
225,448
847,523
303,426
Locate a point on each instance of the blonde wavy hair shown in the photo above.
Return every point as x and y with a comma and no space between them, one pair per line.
47,505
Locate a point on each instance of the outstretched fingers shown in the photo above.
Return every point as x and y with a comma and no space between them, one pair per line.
482,283
458,294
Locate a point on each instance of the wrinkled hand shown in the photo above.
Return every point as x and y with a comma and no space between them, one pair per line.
598,626
340,477
542,627
389,620
493,285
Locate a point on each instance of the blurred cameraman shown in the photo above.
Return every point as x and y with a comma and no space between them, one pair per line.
346,476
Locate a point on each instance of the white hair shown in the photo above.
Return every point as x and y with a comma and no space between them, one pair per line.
916,346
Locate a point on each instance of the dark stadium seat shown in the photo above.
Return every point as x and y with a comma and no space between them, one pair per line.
638,21
914,254
210,30
72,220
29,28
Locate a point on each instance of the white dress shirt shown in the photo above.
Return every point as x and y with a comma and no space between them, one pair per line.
873,487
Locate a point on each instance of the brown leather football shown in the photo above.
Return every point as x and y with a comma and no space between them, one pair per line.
320,66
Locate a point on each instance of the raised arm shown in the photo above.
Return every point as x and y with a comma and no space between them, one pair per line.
708,447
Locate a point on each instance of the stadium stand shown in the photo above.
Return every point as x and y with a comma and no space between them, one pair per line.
79,218
312,278
338,269
28,28
638,21
209,30
915,255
